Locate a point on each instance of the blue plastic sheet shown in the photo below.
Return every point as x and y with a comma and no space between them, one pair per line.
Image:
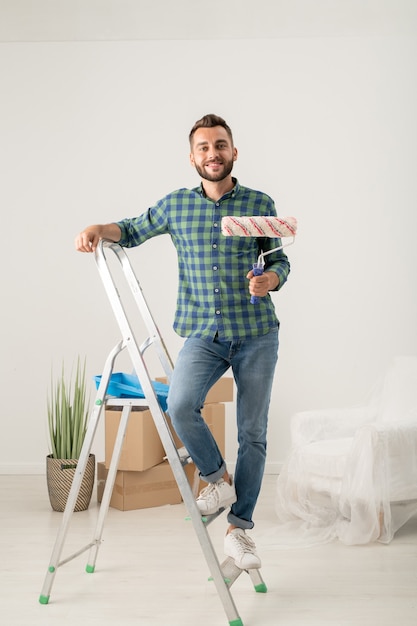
123,385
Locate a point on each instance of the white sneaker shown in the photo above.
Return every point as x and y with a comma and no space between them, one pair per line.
241,549
216,496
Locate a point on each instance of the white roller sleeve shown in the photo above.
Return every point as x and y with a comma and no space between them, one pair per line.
259,226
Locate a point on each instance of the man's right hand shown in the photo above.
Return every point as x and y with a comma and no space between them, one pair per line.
87,240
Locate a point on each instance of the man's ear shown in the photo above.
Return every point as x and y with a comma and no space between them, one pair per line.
192,159
235,154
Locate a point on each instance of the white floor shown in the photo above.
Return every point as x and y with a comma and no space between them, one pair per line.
151,571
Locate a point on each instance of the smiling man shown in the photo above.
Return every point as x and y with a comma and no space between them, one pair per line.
223,329
213,153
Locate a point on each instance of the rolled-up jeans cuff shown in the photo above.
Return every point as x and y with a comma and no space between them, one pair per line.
213,478
240,523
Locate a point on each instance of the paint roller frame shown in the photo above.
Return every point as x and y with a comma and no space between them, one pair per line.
261,227
289,224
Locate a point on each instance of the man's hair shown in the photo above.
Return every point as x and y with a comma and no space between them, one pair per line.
209,121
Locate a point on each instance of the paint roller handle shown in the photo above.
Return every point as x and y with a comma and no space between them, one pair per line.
258,270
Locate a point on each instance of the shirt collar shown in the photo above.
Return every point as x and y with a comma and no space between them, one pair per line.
229,194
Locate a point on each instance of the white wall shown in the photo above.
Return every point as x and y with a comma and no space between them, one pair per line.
97,130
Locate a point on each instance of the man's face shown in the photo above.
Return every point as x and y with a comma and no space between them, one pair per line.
212,153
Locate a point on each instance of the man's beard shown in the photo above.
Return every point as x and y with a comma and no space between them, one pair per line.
215,178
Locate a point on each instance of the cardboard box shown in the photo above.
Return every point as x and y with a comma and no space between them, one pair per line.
134,489
102,472
140,490
142,447
222,391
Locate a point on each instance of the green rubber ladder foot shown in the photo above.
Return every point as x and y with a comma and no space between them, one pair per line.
43,599
236,622
261,588
90,569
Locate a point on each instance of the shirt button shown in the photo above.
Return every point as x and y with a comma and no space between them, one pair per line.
215,224
215,267
217,312
216,290
217,203
214,245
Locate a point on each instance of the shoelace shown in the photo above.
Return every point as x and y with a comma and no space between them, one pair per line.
244,543
209,493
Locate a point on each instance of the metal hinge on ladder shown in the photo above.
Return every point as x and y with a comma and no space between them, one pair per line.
223,575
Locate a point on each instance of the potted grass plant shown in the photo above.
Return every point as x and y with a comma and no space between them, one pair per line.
67,410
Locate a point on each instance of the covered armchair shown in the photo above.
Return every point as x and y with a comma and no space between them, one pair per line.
352,473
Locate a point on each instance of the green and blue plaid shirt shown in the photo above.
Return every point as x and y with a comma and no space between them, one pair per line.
213,295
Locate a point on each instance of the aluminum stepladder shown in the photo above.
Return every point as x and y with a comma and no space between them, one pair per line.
223,575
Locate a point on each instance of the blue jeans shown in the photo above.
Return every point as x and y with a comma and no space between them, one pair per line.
200,364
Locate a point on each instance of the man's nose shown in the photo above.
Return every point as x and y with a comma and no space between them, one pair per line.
213,152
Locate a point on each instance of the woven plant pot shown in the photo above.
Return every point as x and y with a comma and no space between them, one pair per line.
59,477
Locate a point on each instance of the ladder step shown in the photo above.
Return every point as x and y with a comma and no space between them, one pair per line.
231,573
208,519
230,570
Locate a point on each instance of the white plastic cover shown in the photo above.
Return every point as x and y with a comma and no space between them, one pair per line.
352,473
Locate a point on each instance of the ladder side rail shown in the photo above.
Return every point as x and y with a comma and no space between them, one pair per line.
132,344
78,476
135,353
183,484
137,293
160,421
155,336
108,489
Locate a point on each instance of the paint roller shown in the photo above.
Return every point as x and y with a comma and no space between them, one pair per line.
260,226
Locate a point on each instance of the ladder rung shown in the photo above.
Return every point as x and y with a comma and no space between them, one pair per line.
184,456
